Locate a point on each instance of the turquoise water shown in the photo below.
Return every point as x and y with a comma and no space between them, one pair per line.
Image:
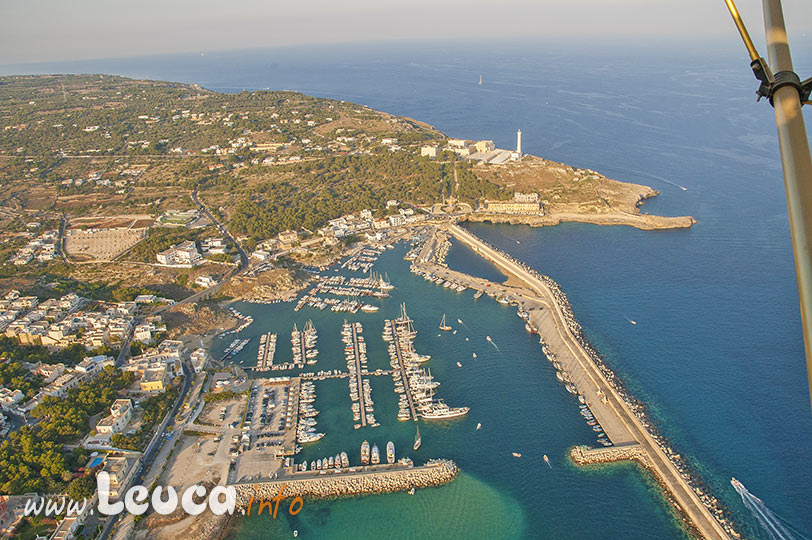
512,392
717,351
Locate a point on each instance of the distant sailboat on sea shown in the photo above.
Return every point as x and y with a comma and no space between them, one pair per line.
480,79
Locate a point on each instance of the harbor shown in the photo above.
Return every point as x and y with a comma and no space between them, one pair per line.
414,385
551,317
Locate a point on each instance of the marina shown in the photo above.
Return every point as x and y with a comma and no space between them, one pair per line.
414,384
266,352
303,343
355,352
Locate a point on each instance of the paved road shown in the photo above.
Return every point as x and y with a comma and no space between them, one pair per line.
145,473
224,231
701,517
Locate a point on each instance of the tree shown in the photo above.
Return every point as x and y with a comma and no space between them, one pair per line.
81,487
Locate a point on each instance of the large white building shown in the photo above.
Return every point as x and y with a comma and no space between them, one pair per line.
184,255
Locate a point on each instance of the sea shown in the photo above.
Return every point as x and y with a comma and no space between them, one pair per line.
716,352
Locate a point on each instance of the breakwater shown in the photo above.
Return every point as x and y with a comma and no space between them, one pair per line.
617,410
368,482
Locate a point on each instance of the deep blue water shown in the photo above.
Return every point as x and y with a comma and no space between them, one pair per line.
717,352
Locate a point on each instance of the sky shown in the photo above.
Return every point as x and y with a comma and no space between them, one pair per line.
66,30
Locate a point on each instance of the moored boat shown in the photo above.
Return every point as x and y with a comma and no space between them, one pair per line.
390,452
365,453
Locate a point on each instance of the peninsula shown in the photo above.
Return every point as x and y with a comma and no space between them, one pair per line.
136,212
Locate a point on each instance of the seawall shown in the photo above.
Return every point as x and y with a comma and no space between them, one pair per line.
644,222
328,486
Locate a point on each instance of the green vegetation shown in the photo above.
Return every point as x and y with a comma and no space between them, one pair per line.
34,458
81,487
331,187
12,351
154,408
110,115
15,377
213,397
161,238
35,527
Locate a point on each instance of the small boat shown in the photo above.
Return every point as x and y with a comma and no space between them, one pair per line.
376,454
443,326
473,355
517,455
478,426
411,491
547,461
460,321
417,439
459,365
369,308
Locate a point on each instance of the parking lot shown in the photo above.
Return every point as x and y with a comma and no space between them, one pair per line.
268,430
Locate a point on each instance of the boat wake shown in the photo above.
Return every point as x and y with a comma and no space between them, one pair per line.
462,323
631,321
491,342
777,527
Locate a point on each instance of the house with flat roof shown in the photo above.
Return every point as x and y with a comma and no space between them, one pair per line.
121,412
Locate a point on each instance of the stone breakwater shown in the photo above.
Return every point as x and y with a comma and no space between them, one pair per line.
685,470
432,474
584,456
644,222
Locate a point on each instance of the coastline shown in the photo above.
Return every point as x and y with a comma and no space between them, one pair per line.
377,482
645,222
584,457
624,419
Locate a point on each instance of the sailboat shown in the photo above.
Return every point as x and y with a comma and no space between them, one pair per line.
443,325
480,80
417,440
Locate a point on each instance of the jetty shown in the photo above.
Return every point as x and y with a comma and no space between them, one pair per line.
401,364
265,352
345,482
547,309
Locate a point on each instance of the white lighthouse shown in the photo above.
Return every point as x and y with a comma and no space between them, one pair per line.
518,152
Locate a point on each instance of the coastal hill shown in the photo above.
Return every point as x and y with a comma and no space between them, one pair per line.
572,194
79,153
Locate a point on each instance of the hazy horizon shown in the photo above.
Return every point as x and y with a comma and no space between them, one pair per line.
49,31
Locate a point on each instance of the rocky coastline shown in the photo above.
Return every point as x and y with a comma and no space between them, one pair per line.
644,222
686,470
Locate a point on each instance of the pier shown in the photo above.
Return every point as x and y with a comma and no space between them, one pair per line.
357,356
349,482
622,426
402,367
360,390
266,352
